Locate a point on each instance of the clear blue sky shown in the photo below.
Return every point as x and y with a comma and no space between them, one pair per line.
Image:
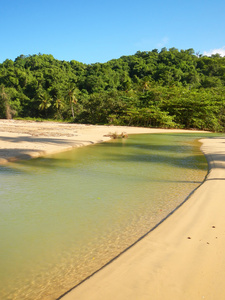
98,31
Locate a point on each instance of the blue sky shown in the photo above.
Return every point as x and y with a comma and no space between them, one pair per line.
101,30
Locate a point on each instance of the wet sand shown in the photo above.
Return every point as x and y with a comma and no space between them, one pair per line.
183,258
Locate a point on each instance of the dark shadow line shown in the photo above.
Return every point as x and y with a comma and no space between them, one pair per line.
44,140
215,179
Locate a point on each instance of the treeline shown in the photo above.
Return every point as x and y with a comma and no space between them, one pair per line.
167,88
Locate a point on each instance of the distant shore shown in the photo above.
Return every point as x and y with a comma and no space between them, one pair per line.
30,139
183,258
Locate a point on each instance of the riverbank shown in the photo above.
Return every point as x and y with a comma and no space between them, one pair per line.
30,139
181,259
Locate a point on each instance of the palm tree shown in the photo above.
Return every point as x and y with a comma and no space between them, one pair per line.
71,94
58,104
45,102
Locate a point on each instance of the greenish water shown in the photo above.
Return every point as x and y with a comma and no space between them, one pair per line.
64,216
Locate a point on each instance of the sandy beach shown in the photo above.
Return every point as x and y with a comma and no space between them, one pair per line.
183,258
30,139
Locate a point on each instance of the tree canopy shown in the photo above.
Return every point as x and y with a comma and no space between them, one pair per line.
167,88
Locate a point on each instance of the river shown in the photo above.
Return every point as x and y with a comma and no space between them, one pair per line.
64,216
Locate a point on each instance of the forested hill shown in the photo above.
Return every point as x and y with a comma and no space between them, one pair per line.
167,88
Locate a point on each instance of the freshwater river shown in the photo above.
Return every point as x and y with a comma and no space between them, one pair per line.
64,216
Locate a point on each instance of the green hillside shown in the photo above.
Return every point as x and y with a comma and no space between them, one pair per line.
167,88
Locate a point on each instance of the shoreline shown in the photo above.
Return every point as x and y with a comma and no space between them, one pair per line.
182,258
29,139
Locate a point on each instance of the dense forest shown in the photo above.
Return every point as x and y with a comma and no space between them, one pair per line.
167,88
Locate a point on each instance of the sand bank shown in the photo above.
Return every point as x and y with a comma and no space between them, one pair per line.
29,139
183,258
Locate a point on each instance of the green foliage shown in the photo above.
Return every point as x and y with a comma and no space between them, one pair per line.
167,88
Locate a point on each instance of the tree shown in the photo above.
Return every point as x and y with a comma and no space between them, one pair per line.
5,111
71,94
45,102
58,104
150,88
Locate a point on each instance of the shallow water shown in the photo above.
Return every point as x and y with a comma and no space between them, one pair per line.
64,216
